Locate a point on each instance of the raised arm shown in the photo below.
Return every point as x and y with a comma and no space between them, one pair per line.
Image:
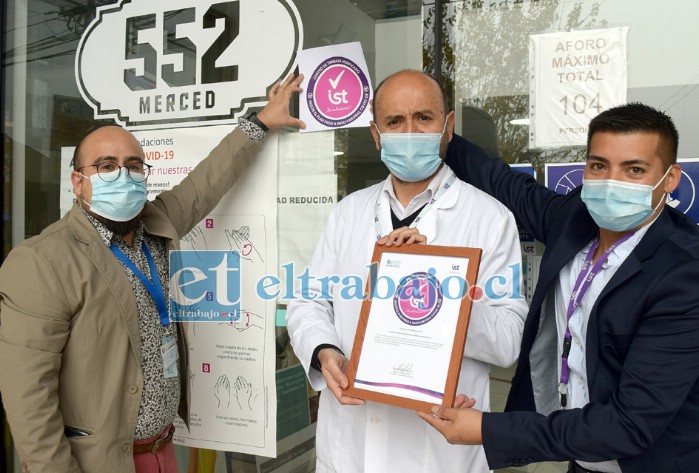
195,197
532,204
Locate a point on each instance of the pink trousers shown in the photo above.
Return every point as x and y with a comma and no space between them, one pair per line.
161,462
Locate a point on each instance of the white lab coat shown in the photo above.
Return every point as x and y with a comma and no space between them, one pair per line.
380,438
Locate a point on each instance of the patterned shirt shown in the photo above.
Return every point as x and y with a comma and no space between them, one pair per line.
161,396
254,132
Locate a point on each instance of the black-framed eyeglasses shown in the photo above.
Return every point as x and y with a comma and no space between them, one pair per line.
110,171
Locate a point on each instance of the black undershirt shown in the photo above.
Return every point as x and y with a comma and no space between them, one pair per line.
406,221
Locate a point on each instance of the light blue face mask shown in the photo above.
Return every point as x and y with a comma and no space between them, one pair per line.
411,157
119,200
619,206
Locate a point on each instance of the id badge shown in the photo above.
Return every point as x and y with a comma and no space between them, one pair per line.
170,356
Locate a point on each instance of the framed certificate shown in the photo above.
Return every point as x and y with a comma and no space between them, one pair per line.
412,326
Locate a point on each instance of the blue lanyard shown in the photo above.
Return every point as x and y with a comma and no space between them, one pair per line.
155,288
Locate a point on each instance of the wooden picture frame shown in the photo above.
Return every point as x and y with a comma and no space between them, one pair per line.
410,350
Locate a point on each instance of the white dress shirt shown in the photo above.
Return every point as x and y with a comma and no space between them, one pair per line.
577,382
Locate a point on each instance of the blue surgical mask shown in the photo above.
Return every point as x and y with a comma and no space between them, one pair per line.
619,206
119,200
411,157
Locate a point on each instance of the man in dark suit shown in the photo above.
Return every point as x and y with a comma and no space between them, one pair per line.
608,375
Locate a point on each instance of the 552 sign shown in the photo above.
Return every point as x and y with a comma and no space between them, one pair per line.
182,46
160,64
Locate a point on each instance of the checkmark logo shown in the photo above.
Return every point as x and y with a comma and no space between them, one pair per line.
334,83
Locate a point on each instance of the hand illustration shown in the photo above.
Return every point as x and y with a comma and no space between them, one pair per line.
239,240
195,239
222,391
243,392
243,320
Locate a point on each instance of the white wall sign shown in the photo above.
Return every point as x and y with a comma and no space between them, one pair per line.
164,64
574,76
307,192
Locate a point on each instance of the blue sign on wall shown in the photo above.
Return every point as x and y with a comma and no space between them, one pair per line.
564,177
684,198
526,168
524,235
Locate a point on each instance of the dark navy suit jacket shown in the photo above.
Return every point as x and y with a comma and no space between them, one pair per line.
642,342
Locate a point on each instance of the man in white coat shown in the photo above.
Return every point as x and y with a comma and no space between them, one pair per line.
420,201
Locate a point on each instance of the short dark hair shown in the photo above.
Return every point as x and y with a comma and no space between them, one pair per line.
637,117
445,100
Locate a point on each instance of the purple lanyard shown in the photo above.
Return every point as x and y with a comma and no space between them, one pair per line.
582,284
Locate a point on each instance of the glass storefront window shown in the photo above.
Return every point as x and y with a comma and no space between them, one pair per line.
487,55
477,48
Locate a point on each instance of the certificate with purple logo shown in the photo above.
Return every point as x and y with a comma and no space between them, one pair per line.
412,327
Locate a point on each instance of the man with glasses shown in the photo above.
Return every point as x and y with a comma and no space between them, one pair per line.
118,197
92,373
